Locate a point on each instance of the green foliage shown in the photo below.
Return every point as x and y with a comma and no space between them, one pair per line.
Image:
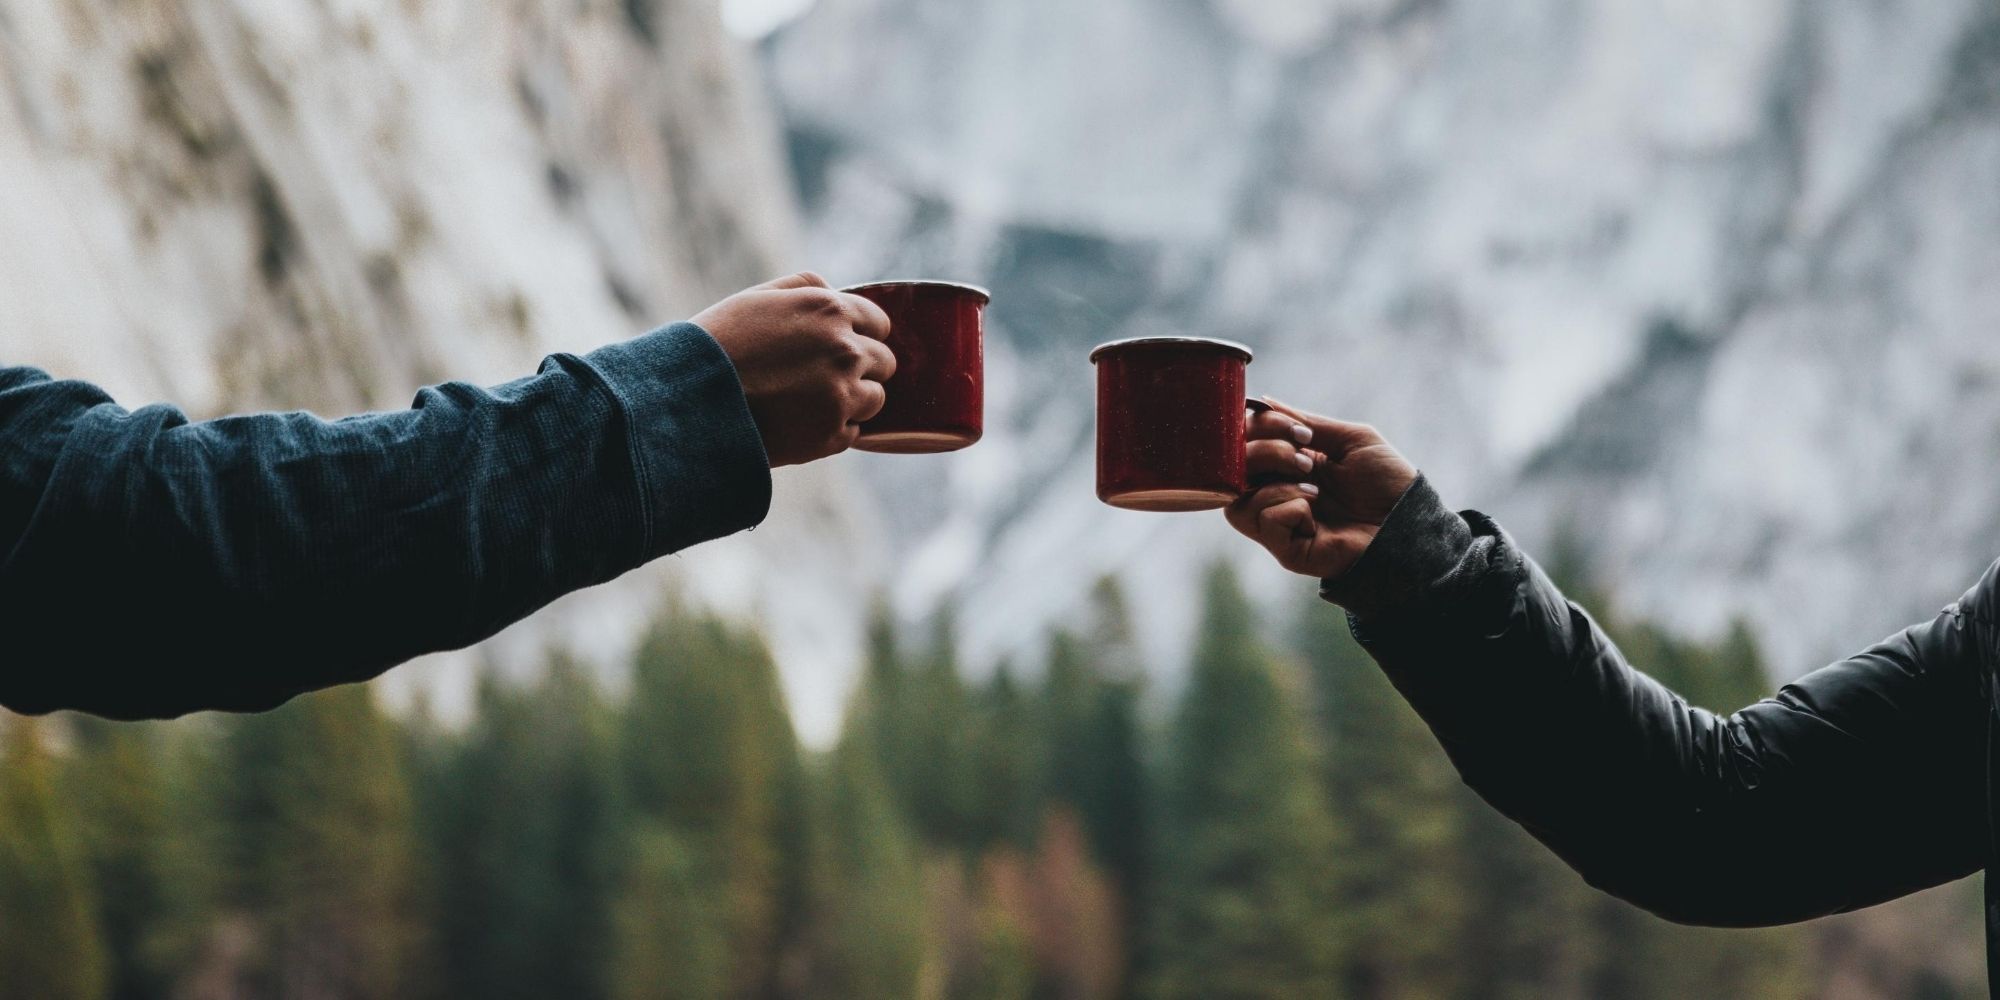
672,938
867,931
880,720
941,795
1004,968
1095,691
710,757
115,780
1527,920
315,872
1293,830
1243,907
1009,759
1398,875
50,946
528,839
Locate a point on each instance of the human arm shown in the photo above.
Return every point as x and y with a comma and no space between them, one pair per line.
152,566
1858,783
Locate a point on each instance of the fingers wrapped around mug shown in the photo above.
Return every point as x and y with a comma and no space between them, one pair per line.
1278,516
1276,426
866,401
869,318
876,362
1271,458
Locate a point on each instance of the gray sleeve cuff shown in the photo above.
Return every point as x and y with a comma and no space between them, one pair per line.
1420,545
696,453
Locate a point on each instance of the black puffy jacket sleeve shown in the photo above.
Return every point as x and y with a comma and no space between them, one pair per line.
1858,783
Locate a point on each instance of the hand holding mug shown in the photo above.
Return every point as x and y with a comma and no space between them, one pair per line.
812,362
1326,487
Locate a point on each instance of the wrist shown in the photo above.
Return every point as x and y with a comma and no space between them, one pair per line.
1420,542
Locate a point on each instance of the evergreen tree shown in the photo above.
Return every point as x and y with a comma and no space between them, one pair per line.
711,757
1005,969
1091,697
50,948
1242,908
528,842
1071,694
1008,760
431,754
885,705
1528,932
673,940
867,936
317,861
114,777
196,939
1116,791
1118,808
1397,876
941,791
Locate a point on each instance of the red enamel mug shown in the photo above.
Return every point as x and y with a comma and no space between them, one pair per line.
936,400
1170,422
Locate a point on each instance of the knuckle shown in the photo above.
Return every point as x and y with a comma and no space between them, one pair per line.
818,300
828,301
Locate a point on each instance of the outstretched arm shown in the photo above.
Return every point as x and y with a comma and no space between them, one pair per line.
1860,782
151,566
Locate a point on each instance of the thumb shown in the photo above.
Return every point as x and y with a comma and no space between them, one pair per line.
803,279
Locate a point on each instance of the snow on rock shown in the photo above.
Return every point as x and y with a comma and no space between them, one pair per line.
231,204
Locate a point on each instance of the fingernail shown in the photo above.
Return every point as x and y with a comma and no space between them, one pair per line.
1302,434
1305,461
1309,489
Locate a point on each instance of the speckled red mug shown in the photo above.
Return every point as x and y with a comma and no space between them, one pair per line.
1170,422
936,400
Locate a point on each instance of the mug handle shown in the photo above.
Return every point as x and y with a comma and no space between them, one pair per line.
1256,406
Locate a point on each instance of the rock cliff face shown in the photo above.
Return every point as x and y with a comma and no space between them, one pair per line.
1712,286
231,204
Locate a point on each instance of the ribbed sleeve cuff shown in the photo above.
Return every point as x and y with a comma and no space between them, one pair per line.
696,453
1420,544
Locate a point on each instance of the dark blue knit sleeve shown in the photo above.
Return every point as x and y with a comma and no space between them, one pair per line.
152,566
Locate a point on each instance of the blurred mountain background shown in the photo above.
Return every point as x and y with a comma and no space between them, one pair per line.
1708,286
